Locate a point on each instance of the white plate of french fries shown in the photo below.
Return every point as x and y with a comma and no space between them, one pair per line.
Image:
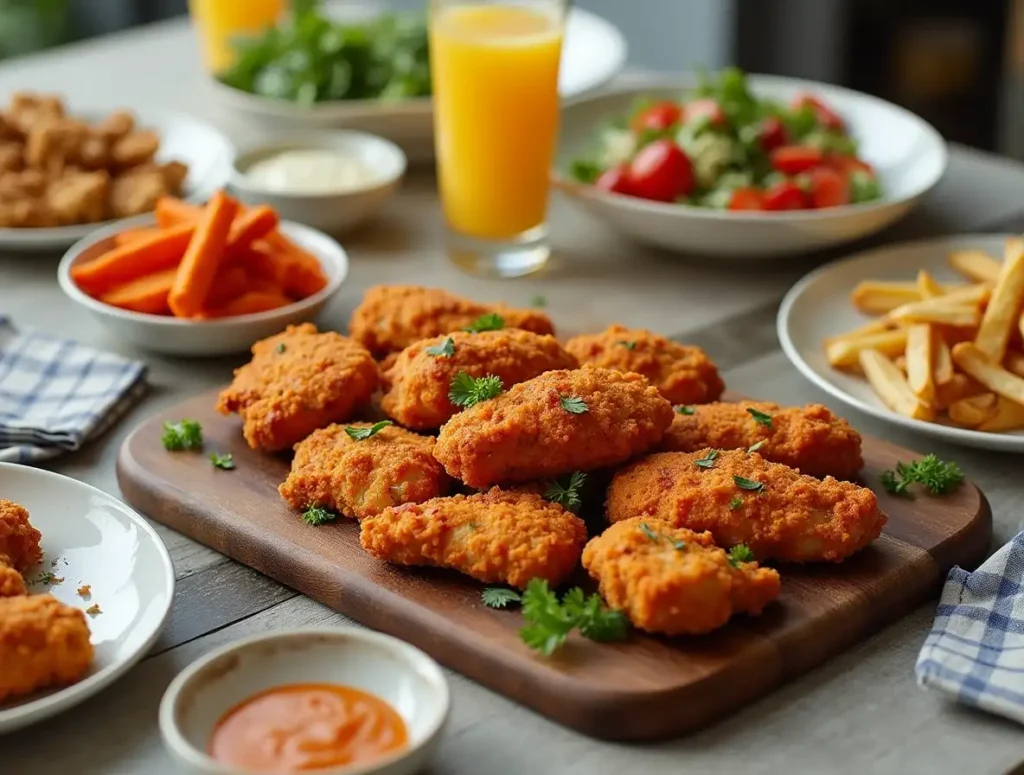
928,335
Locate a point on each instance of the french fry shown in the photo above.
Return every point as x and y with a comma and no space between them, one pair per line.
975,265
994,377
892,387
927,286
1004,304
960,386
877,298
900,362
973,411
937,311
1014,362
876,326
1009,416
846,352
942,368
919,362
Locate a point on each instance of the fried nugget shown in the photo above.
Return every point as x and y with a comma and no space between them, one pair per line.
673,580
419,381
497,537
137,191
360,478
115,126
392,317
26,212
550,425
811,439
296,382
684,374
19,547
80,197
741,498
136,147
42,643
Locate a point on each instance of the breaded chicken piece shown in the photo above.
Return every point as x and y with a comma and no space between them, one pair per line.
419,381
296,382
497,537
673,580
392,317
559,422
359,478
42,643
741,498
19,547
684,374
810,439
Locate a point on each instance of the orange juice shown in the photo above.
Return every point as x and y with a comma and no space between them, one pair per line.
495,79
219,21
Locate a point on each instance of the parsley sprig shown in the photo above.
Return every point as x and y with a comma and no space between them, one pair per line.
492,321
629,345
467,391
760,417
708,461
748,484
359,434
937,476
318,515
549,621
740,553
687,410
225,461
566,491
499,597
574,404
184,434
445,349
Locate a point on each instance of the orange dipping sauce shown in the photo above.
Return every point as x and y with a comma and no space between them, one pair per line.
301,727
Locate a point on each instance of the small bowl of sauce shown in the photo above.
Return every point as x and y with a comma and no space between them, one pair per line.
323,701
330,180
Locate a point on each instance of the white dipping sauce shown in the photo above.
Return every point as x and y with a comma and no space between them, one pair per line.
312,171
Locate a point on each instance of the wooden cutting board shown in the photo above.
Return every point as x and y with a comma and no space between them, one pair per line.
644,688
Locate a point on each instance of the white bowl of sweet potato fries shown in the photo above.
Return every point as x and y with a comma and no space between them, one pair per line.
928,335
203,280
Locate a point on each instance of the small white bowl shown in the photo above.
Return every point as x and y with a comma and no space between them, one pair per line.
403,676
174,336
334,212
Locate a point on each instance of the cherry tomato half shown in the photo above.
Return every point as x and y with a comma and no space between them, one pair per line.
785,196
658,117
827,117
661,172
849,164
705,108
794,159
828,188
772,134
746,199
615,180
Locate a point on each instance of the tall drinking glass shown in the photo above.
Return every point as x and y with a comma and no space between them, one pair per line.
494,67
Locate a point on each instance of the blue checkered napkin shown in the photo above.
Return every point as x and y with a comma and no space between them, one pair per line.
975,651
55,394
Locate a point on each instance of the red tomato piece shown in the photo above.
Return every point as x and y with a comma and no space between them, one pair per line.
615,180
828,188
746,199
827,117
794,159
786,195
705,107
772,134
658,117
850,164
661,172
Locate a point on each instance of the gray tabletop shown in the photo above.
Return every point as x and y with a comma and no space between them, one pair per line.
860,712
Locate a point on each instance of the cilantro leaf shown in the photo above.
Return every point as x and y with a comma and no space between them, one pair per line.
937,476
687,410
281,348
760,417
549,621
628,345
757,446
318,515
678,545
467,391
359,434
740,553
735,503
748,484
492,321
708,461
499,597
574,404
566,491
225,461
184,434
445,349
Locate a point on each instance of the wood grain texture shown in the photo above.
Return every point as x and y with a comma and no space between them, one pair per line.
644,688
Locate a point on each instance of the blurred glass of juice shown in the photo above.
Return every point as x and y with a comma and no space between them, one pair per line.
217,22
494,68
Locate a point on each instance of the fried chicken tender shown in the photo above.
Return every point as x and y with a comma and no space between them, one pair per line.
19,548
684,374
42,643
497,537
362,478
419,382
781,514
811,439
673,580
296,382
392,317
528,433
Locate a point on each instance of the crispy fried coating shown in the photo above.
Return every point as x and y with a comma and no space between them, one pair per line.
684,374
791,517
392,317
362,478
19,547
42,643
497,537
527,433
419,382
810,439
296,382
673,580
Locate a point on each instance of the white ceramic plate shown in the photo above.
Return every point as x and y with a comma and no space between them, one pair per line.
207,152
819,306
908,154
91,538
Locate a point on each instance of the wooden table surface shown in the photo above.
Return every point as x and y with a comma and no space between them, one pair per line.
861,712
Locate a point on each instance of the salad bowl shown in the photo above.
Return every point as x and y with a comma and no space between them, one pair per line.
907,156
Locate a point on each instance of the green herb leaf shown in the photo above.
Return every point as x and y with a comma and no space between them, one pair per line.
735,503
499,597
445,349
585,171
740,553
359,434
628,345
678,545
937,476
492,321
687,410
708,461
748,484
318,515
184,434
467,391
760,417
574,404
281,348
566,491
225,461
651,535
549,622
757,446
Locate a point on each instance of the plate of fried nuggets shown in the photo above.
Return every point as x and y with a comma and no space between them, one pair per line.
487,496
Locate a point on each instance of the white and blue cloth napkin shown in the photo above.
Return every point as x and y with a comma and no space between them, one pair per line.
56,394
975,651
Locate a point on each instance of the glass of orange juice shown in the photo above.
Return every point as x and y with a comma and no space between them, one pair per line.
218,22
494,68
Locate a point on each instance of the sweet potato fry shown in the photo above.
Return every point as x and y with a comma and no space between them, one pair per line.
302,276
230,282
137,259
250,226
260,261
133,235
203,256
248,304
171,212
1004,305
143,294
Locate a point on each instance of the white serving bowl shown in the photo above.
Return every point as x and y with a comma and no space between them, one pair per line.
334,212
909,156
403,676
175,336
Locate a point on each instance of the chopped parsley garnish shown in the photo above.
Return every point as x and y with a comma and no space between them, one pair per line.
756,447
937,476
740,553
281,348
467,391
566,491
358,434
748,484
626,344
50,578
445,349
538,301
492,321
318,515
708,461
225,461
678,545
549,622
499,597
574,404
184,434
648,532
735,503
760,417
687,410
